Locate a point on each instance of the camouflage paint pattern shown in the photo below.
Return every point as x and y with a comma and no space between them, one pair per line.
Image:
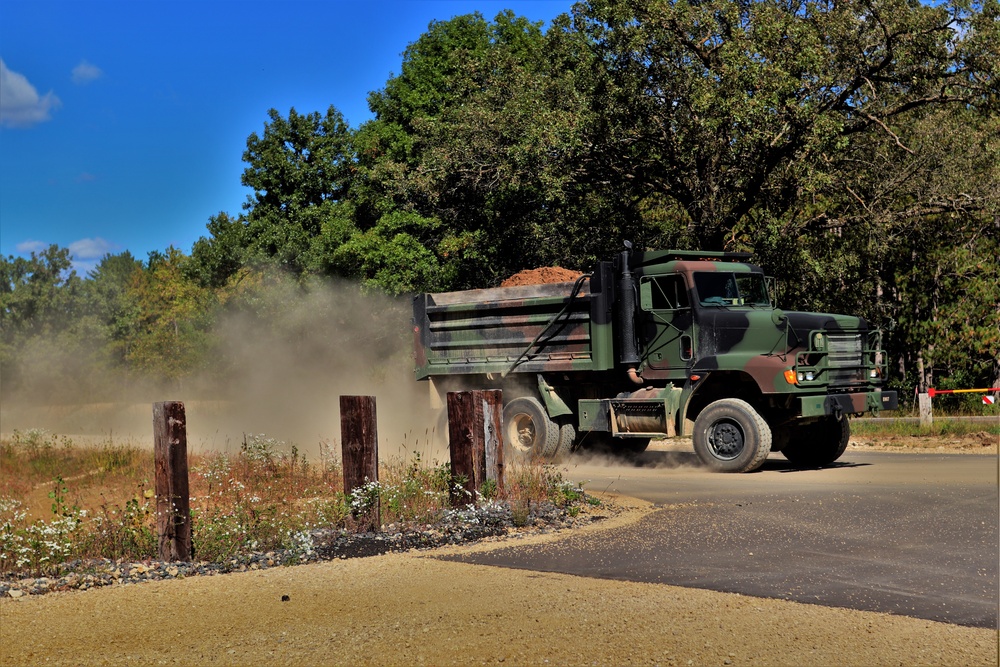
492,331
705,329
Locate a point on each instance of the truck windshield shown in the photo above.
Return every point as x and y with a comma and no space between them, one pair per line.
731,289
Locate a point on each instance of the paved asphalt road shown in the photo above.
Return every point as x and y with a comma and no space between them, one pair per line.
909,534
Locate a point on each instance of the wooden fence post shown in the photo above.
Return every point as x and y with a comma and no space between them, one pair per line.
926,411
359,442
475,441
923,395
493,432
173,504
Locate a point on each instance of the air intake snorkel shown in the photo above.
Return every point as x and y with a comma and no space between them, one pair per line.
629,352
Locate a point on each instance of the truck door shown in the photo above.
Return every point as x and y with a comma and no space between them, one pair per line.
666,326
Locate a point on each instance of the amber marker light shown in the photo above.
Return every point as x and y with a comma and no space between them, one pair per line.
790,377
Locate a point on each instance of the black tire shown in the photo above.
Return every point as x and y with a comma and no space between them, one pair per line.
634,446
528,431
781,436
567,438
597,442
729,436
819,444
602,442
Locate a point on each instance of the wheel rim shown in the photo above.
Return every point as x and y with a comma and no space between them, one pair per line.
521,432
726,440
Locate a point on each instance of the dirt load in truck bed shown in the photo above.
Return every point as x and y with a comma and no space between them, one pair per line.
546,274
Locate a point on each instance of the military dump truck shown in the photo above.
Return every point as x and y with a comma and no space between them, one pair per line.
648,343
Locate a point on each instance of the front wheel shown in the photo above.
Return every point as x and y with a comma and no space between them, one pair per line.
529,432
729,436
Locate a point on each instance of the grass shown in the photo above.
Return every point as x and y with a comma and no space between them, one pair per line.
60,501
885,428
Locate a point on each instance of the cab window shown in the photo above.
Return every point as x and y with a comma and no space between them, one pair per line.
731,289
664,293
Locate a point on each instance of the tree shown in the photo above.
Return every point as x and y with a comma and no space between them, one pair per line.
392,256
32,295
845,143
301,172
117,316
175,314
215,259
728,108
40,304
481,131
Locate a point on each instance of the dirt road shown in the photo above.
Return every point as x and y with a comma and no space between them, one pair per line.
407,609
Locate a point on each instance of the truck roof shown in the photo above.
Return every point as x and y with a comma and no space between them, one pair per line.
662,256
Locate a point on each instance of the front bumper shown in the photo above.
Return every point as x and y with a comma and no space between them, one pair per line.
844,404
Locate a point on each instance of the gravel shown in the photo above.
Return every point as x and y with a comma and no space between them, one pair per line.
466,525
413,608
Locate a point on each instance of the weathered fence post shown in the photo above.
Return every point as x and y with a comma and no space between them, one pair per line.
923,396
475,441
926,411
359,442
173,504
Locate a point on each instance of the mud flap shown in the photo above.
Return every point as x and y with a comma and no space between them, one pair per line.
554,404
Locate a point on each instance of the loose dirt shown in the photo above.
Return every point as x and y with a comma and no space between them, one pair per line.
969,443
546,274
407,609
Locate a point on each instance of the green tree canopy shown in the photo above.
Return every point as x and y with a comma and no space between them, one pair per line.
851,145
731,108
171,334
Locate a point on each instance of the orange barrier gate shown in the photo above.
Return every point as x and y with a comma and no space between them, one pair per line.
988,400
932,392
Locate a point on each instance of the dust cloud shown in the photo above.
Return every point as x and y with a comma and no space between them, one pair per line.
276,368
285,380
663,454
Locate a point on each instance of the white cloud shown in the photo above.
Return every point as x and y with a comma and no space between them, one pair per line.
20,104
85,249
31,246
85,72
84,268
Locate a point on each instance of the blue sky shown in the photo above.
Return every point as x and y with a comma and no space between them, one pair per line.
123,124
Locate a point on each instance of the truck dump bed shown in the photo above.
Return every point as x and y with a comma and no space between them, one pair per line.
523,329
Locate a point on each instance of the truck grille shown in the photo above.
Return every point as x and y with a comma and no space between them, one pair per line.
845,361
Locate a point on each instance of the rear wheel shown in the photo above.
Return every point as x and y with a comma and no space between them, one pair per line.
818,444
729,436
567,438
528,430
634,445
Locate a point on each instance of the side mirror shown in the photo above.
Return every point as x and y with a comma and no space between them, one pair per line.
772,290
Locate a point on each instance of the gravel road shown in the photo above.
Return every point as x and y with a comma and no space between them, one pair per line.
411,608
